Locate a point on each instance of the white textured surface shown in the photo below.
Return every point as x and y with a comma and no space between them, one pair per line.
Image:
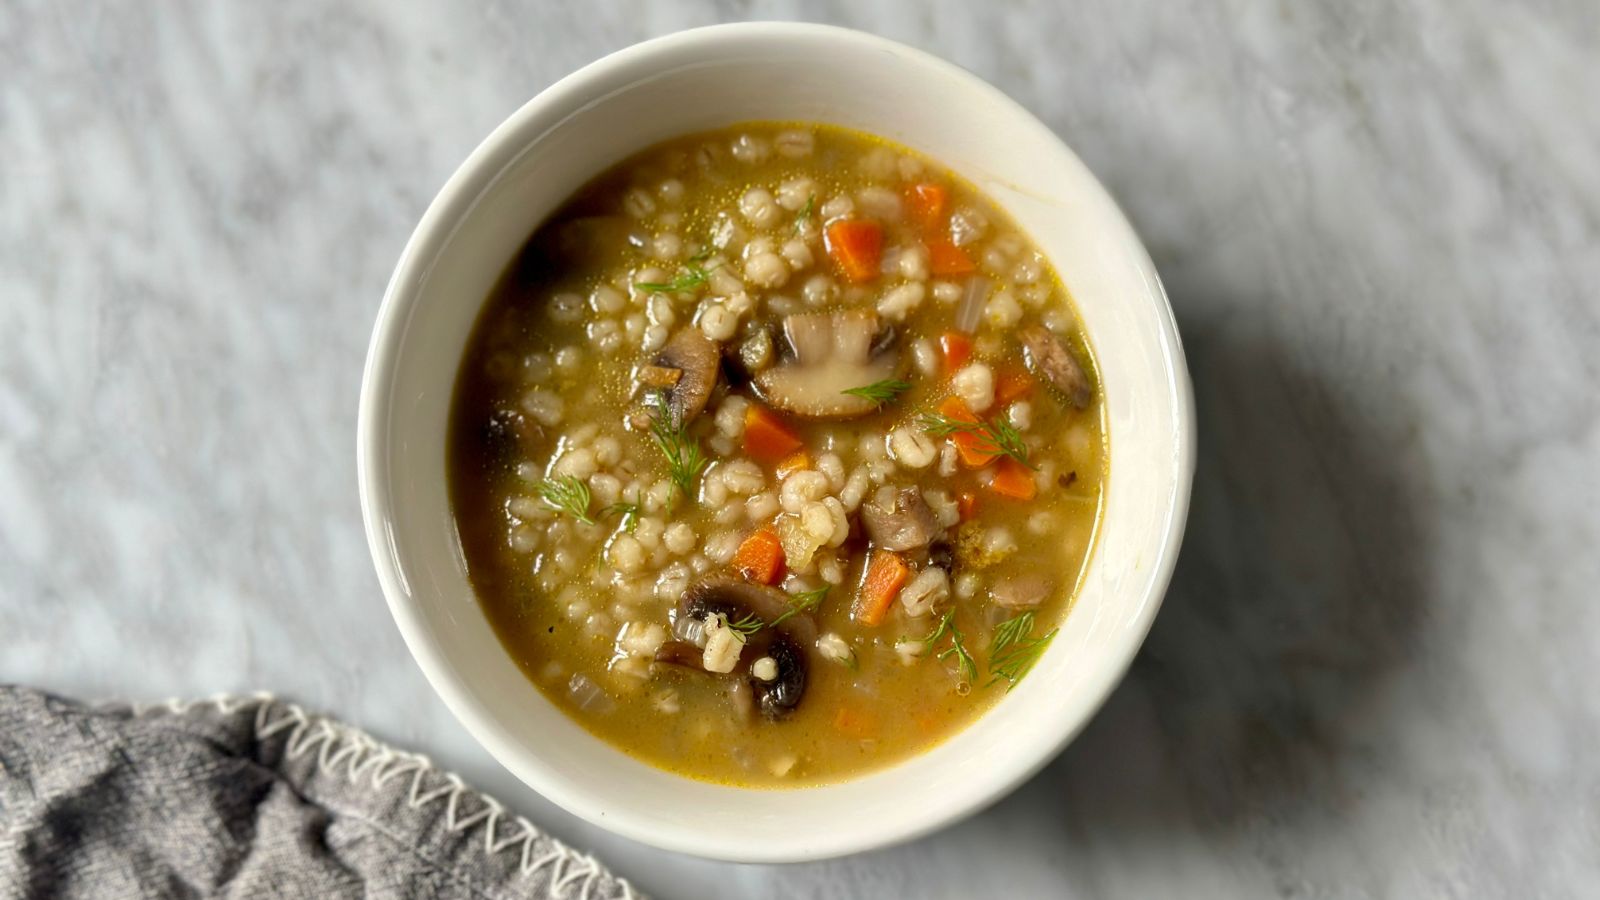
1375,673
600,115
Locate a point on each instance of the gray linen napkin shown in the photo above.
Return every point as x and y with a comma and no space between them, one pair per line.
251,797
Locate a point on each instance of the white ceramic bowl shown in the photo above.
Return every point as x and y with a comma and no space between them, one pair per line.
704,79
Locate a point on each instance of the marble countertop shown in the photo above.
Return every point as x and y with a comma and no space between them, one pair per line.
1375,673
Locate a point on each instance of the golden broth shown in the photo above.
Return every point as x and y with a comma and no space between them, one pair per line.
729,232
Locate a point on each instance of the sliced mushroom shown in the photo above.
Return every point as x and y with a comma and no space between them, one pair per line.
1022,591
735,598
832,353
785,642
899,520
696,358
681,653
778,697
1051,360
659,377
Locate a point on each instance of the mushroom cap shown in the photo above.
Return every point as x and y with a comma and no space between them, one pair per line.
681,653
778,697
699,359
1049,358
735,598
909,525
832,353
785,643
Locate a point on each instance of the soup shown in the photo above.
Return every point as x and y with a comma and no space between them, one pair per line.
777,455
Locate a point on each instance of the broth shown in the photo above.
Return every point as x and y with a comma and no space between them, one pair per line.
901,410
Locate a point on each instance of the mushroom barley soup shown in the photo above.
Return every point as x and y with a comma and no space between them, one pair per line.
777,455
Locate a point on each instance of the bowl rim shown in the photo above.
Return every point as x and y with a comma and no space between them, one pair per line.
433,231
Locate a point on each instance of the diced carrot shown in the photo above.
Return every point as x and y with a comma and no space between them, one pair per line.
926,202
945,258
972,447
1013,479
856,723
760,557
766,437
973,450
857,246
967,505
794,462
886,573
956,348
1011,384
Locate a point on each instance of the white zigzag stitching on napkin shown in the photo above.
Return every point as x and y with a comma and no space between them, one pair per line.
354,754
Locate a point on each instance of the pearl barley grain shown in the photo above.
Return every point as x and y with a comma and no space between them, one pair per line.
751,150
759,208
911,448
626,554
765,669
718,323
795,143
975,385
766,269
679,538
796,192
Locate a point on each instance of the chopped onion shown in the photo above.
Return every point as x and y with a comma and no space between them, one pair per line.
971,311
588,695
689,630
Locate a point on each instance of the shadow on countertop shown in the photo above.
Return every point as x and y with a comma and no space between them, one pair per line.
1265,694
1257,697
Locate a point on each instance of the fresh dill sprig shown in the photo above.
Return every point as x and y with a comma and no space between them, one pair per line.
1015,649
880,392
941,425
629,513
805,601
968,668
1011,631
1008,440
684,459
566,494
692,276
702,256
995,436
805,213
958,647
749,624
